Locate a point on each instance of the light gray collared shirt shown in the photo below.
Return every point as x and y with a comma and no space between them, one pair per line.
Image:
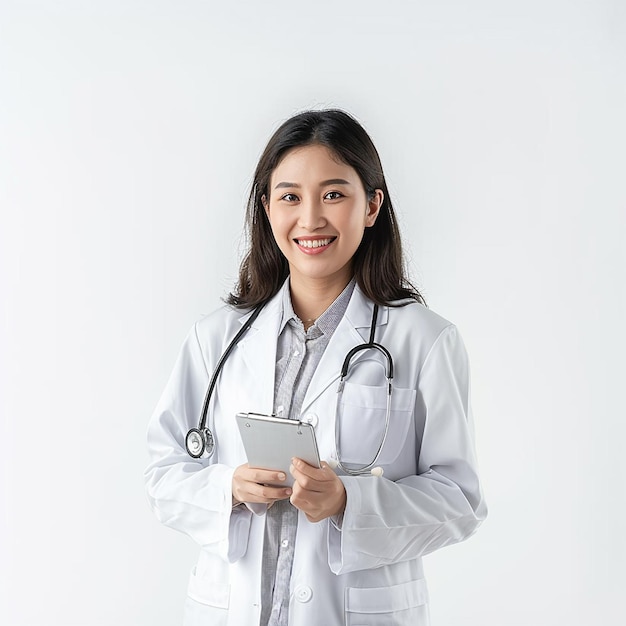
297,356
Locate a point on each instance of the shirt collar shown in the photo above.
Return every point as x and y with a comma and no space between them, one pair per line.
328,321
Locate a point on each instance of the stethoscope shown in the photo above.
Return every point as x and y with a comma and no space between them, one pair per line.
201,443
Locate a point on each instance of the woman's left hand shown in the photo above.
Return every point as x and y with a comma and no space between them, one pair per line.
317,492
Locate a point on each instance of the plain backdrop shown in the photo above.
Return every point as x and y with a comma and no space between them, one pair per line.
129,131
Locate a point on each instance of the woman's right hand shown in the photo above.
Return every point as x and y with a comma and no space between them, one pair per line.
252,485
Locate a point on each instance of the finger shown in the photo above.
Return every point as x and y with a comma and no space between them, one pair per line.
253,492
259,475
323,473
264,476
307,483
251,485
318,499
300,501
312,508
304,482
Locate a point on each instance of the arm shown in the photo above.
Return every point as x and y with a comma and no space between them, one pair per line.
386,522
193,496
198,496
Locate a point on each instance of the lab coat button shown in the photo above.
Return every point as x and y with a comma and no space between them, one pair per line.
303,593
311,418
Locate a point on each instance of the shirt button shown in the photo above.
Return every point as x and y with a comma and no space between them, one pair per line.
311,418
284,543
303,593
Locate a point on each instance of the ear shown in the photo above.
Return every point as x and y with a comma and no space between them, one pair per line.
373,207
265,204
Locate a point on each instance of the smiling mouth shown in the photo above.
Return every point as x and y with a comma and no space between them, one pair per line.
314,243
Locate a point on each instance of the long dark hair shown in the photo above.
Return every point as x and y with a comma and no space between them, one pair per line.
377,263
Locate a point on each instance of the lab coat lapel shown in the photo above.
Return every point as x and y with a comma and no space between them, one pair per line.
353,329
258,353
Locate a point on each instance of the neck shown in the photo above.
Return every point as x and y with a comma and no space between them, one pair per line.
310,298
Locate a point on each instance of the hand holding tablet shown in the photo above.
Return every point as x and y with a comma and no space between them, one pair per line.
271,442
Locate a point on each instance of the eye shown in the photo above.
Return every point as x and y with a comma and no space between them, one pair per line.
333,195
289,197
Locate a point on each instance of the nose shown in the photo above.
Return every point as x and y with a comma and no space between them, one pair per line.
311,214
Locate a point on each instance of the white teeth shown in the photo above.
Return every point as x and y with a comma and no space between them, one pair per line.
313,243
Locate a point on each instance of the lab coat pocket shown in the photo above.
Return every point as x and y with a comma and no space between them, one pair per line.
400,605
362,413
207,601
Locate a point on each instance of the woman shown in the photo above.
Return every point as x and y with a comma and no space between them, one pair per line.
339,547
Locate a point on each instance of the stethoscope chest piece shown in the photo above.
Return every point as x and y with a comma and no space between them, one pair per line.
199,442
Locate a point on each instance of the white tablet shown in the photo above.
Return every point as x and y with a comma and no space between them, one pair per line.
271,442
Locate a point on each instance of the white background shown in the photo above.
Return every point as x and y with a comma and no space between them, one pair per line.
129,131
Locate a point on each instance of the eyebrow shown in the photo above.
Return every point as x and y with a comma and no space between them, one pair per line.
324,183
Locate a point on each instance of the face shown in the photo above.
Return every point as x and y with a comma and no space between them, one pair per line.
318,211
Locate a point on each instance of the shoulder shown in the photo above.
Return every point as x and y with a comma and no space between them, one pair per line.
225,314
221,324
432,341
426,331
214,332
416,318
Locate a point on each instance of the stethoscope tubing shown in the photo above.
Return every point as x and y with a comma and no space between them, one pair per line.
220,364
370,345
371,466
200,442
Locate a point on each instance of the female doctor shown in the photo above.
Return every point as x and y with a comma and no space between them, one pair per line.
344,545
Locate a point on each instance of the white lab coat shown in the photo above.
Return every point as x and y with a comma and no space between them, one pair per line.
369,572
